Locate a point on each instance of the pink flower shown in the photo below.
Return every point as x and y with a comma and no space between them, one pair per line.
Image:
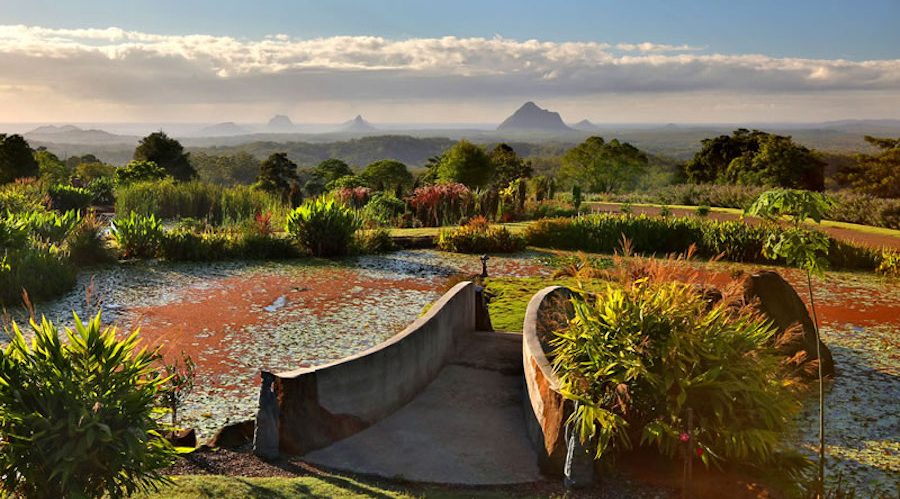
684,437
699,451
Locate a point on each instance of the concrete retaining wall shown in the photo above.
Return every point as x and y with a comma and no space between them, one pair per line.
319,406
546,411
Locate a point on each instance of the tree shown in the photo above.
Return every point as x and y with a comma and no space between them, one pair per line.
604,166
331,170
51,168
278,174
803,247
875,174
239,168
139,171
467,164
93,171
508,166
16,158
388,175
167,153
756,158
74,161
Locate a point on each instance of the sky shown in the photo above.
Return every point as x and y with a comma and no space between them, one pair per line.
612,61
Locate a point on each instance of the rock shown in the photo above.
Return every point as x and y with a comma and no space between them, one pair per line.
186,437
265,438
776,299
234,435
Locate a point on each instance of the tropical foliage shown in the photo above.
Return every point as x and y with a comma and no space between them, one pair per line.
323,226
479,236
76,413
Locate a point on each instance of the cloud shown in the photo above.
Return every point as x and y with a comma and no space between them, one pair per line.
113,65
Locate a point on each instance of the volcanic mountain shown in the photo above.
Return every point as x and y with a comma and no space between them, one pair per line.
531,118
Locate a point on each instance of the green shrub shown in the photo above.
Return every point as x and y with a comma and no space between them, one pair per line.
479,236
372,241
19,198
323,227
383,210
213,203
702,210
636,359
48,226
102,191
185,245
139,171
84,243
66,197
256,246
40,270
735,240
13,233
137,236
889,264
76,414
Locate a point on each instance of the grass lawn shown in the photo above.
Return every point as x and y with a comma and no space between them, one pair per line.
514,227
511,296
325,485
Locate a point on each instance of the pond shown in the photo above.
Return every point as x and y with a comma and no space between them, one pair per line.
237,318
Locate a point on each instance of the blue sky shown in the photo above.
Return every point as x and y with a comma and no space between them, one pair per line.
450,61
861,29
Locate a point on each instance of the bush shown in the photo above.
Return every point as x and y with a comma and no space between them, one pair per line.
139,171
102,191
702,211
137,236
40,270
84,243
479,236
213,203
48,226
442,204
373,241
637,358
66,197
185,245
735,240
383,210
322,226
19,198
889,264
13,233
76,415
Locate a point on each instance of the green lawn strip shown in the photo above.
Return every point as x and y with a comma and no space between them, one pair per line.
735,211
511,296
514,227
325,485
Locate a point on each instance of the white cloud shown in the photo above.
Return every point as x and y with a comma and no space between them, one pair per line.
115,66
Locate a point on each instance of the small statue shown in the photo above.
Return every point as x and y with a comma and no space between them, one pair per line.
484,272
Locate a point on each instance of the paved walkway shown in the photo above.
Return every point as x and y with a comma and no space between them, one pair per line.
467,427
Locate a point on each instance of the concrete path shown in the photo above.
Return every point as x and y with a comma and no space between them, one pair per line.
467,427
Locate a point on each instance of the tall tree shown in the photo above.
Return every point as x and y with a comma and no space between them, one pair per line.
756,158
16,158
467,164
331,170
166,152
51,168
278,174
875,174
508,166
387,175
604,166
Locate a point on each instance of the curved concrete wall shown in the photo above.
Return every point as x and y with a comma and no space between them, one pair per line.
546,411
318,406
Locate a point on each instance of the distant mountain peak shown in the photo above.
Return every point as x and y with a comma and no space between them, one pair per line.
585,125
531,117
358,124
280,122
53,129
223,129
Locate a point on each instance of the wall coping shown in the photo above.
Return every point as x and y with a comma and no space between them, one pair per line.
407,331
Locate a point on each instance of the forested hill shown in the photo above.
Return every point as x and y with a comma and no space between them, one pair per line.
413,151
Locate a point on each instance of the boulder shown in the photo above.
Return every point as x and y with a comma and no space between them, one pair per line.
777,300
185,437
234,435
